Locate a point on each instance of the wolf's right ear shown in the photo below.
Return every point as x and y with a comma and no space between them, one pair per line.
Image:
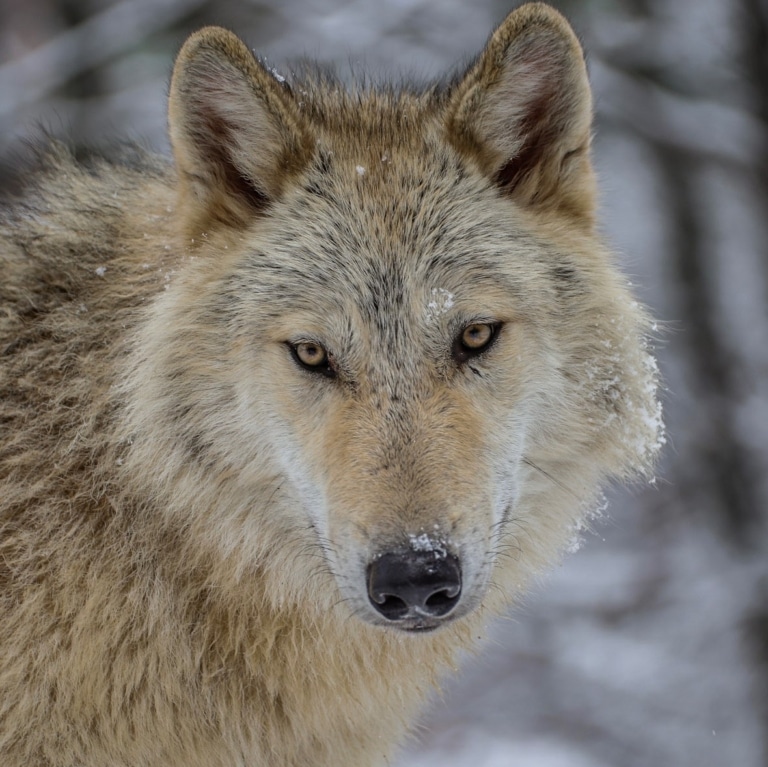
235,132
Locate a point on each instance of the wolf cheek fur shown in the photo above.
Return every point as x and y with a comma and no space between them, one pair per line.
283,426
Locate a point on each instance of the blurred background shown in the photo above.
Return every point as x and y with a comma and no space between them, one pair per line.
648,647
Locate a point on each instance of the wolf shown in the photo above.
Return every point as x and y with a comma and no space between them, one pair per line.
285,422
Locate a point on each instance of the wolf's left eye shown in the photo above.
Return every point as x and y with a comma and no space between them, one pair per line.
474,340
312,356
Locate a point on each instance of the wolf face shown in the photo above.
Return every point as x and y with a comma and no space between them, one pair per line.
404,377
396,311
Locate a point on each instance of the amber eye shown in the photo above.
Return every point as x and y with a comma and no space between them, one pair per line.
477,336
474,340
312,356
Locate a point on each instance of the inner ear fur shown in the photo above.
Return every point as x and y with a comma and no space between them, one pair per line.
523,112
234,129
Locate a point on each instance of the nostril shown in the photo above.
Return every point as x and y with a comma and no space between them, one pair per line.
392,608
408,584
441,602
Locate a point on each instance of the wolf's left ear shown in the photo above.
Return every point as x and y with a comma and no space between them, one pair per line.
234,128
524,113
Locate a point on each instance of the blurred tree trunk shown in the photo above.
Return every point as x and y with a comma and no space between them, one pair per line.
722,470
721,474
755,68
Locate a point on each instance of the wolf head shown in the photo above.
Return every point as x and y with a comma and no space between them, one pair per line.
394,337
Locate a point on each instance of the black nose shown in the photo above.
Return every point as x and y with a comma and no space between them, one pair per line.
414,584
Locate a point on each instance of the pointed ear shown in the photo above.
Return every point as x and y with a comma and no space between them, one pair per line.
235,131
524,113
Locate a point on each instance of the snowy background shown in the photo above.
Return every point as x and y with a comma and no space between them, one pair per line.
649,647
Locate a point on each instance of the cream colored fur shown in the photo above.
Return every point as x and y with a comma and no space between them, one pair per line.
186,515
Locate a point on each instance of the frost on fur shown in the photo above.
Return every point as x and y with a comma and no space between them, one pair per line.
628,378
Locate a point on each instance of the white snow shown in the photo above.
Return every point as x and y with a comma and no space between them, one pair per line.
425,542
440,302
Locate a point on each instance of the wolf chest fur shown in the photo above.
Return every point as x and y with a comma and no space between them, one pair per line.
284,423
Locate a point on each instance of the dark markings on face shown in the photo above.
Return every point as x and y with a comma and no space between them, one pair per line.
566,274
567,279
384,298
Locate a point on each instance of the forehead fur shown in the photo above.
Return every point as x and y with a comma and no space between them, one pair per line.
384,191
366,111
345,232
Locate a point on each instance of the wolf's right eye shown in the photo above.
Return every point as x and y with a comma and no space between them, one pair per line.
312,356
477,336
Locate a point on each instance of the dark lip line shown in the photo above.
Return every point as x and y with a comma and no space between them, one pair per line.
408,627
424,627
419,629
